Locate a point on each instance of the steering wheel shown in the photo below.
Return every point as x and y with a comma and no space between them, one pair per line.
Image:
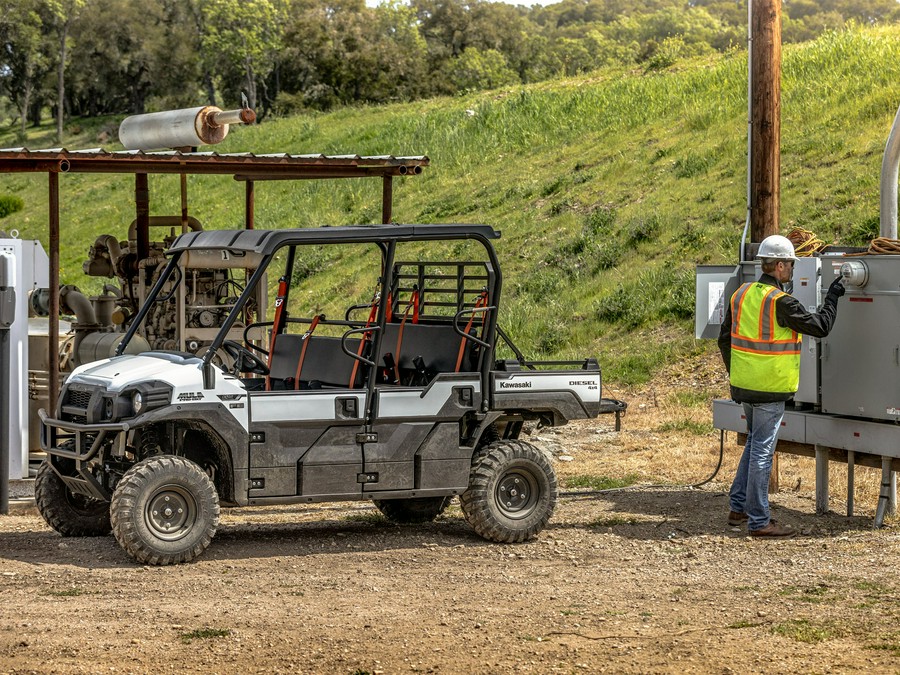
245,361
248,344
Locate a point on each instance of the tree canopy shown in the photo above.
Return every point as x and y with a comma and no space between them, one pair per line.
91,57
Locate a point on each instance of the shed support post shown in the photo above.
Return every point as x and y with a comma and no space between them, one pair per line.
53,338
249,205
387,198
821,480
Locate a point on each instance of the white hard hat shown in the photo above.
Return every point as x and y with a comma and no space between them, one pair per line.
776,247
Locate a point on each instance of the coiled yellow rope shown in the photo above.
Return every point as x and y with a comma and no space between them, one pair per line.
805,242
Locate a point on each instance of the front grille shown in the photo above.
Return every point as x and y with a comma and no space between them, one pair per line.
76,402
78,399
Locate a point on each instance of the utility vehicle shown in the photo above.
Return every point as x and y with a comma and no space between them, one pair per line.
387,387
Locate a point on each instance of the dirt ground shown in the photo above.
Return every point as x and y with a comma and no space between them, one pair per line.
642,580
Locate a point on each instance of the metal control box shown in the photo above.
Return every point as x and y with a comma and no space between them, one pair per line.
31,270
861,356
806,288
717,283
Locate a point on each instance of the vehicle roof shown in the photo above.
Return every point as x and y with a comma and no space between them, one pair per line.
267,241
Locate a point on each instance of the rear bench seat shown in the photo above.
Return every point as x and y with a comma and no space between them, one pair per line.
324,365
437,345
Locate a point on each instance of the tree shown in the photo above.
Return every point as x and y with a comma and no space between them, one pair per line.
63,13
245,35
24,58
477,69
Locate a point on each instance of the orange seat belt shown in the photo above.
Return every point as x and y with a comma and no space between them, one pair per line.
414,306
277,325
362,343
305,338
481,302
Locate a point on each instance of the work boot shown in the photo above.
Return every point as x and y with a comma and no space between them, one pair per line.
774,531
736,518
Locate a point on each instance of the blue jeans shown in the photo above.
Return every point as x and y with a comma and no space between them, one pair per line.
750,489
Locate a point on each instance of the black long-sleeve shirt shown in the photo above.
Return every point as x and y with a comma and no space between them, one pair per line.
789,313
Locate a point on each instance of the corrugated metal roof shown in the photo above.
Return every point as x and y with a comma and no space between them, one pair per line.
245,165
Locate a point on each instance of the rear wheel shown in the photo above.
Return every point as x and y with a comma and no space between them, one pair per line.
417,510
165,510
512,491
70,514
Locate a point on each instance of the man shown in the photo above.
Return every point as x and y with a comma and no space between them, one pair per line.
760,344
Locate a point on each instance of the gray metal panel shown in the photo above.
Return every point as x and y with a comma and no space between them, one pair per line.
858,435
807,285
860,360
729,416
715,284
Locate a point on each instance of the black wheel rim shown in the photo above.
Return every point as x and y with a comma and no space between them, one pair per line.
170,513
517,493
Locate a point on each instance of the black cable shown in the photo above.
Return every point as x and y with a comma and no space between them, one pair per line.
694,486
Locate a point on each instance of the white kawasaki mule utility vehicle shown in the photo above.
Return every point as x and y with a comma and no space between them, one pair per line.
399,400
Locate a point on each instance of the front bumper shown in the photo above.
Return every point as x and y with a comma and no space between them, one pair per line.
55,432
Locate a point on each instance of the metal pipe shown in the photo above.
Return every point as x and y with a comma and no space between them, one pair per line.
749,126
226,117
79,304
53,338
889,173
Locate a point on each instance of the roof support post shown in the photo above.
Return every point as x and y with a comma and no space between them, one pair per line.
249,204
184,204
142,215
54,290
387,197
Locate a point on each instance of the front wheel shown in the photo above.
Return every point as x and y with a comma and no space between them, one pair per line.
512,491
69,513
164,510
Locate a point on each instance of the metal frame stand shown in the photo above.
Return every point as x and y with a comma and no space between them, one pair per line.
4,421
887,498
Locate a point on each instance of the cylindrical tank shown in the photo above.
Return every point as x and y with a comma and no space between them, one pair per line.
206,125
96,346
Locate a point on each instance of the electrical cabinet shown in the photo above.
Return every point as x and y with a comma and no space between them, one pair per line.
31,270
861,357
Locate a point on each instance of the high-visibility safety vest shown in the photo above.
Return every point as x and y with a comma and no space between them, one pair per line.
764,356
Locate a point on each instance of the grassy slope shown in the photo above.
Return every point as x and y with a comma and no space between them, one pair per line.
608,188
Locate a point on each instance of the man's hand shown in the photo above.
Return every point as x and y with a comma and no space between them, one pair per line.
837,287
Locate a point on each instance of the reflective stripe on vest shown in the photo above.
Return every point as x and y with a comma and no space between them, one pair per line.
764,355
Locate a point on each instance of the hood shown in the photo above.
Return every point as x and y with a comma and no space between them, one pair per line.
120,371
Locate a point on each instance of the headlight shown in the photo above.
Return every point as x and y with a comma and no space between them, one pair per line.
137,402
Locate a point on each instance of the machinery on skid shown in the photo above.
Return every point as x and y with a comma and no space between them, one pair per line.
847,407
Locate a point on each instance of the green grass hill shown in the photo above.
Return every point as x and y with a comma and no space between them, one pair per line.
608,188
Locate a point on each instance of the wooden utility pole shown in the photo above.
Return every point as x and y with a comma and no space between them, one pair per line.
765,134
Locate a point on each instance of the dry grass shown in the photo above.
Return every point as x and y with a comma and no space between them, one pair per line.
667,438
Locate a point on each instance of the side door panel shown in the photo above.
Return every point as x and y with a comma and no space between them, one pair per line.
305,443
416,425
